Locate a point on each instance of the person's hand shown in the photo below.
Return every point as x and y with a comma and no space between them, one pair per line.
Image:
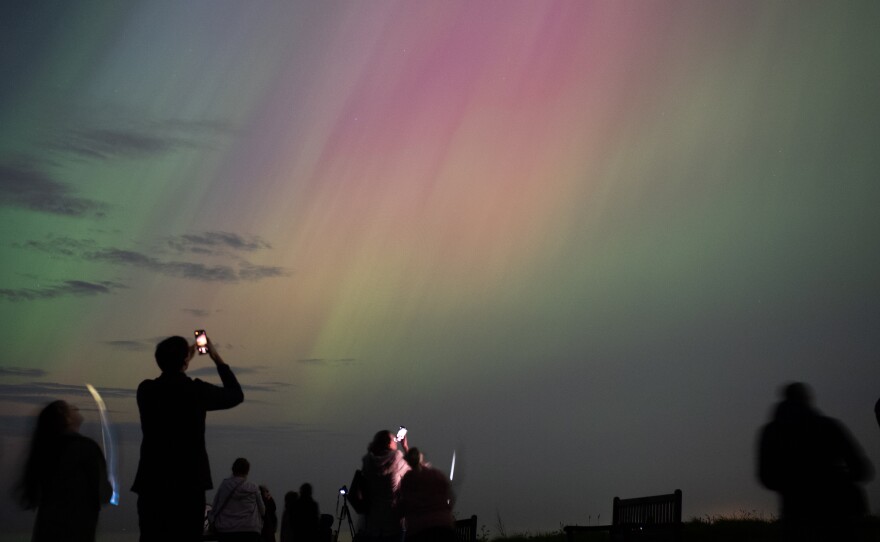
404,443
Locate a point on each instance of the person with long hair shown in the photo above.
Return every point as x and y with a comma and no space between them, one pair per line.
65,477
383,467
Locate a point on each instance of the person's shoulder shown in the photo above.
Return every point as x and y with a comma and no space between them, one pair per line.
146,384
250,487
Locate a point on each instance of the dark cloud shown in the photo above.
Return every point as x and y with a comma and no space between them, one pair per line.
142,140
66,288
187,270
266,388
250,272
38,393
200,313
87,249
277,385
58,246
25,187
103,144
210,242
21,371
212,371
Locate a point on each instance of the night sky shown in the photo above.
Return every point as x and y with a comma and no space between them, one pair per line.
581,244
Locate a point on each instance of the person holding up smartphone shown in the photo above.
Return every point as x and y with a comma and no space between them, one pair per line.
174,472
383,467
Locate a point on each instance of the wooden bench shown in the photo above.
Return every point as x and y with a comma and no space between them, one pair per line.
466,530
643,518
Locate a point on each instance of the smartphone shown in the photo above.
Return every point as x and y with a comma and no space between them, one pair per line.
400,433
201,341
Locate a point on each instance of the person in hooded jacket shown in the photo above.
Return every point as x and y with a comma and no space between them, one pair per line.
383,467
238,507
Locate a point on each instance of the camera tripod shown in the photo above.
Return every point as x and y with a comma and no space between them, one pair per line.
345,513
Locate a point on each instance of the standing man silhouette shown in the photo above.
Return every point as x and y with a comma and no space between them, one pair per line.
816,466
173,472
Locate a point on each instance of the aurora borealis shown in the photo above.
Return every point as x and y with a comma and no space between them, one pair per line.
581,243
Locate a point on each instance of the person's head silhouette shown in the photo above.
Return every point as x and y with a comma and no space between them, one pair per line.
241,467
173,354
798,392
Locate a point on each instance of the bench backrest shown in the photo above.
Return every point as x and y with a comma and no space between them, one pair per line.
655,510
466,529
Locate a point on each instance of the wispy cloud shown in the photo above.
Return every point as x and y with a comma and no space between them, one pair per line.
212,371
200,313
26,187
211,242
188,270
265,388
102,144
21,371
65,288
219,243
58,245
40,392
139,139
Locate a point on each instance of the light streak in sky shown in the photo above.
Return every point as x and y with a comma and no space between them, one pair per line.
107,441
452,468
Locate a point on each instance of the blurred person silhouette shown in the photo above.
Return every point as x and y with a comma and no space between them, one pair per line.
238,507
65,477
270,518
426,501
290,499
383,468
174,472
325,528
816,466
877,411
305,517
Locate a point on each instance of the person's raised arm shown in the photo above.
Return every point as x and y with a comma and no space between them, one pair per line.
227,396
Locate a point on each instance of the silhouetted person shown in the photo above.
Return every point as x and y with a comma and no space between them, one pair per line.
815,465
305,516
238,507
65,477
290,499
325,528
425,502
877,411
174,472
383,467
270,518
